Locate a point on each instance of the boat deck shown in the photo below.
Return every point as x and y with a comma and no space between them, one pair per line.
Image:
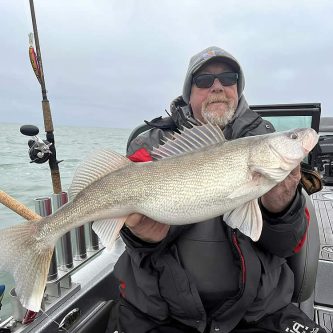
323,203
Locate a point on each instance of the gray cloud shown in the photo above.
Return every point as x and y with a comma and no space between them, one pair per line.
115,63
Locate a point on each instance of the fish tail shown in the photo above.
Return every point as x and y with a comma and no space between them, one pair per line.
27,258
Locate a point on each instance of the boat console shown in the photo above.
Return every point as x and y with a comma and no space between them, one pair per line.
324,159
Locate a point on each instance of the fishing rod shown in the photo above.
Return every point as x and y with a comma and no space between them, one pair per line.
47,151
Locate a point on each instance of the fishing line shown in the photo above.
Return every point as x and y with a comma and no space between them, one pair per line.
63,328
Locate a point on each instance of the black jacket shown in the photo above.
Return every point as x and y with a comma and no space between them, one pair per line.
157,288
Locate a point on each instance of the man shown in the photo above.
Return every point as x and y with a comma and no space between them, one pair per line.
207,277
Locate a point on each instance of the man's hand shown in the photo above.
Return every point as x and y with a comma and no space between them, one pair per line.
281,195
146,229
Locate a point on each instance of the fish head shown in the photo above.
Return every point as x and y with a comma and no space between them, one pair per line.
291,147
279,153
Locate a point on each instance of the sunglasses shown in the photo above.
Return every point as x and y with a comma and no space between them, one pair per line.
207,80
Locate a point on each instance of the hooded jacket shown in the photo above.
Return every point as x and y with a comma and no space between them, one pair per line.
158,282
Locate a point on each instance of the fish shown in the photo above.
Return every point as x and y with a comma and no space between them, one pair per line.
196,175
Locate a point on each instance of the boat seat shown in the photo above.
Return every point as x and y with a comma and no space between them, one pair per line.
305,263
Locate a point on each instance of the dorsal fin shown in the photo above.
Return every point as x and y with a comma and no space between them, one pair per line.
189,140
97,165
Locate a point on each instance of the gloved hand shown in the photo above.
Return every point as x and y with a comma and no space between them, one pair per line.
281,195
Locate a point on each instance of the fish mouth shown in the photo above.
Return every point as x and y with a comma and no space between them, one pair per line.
308,138
306,151
309,143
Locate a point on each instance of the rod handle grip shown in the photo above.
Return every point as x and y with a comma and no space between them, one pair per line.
18,207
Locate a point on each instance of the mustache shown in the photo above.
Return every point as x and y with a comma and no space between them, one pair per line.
217,98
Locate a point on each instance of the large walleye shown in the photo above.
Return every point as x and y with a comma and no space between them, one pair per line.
198,175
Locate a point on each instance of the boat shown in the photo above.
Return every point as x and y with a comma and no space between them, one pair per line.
81,289
79,299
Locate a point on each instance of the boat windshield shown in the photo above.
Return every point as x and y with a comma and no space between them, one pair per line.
290,122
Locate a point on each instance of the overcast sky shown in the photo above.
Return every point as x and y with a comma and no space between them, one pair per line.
115,63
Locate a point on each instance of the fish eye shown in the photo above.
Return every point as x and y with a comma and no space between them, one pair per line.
294,136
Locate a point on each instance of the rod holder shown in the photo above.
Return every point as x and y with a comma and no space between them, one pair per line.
64,245
93,238
81,246
43,207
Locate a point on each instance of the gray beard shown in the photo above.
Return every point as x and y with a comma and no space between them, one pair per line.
217,119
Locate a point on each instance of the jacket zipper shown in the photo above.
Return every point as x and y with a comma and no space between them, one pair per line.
235,242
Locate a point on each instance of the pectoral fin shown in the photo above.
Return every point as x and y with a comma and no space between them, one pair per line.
108,230
246,187
247,219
